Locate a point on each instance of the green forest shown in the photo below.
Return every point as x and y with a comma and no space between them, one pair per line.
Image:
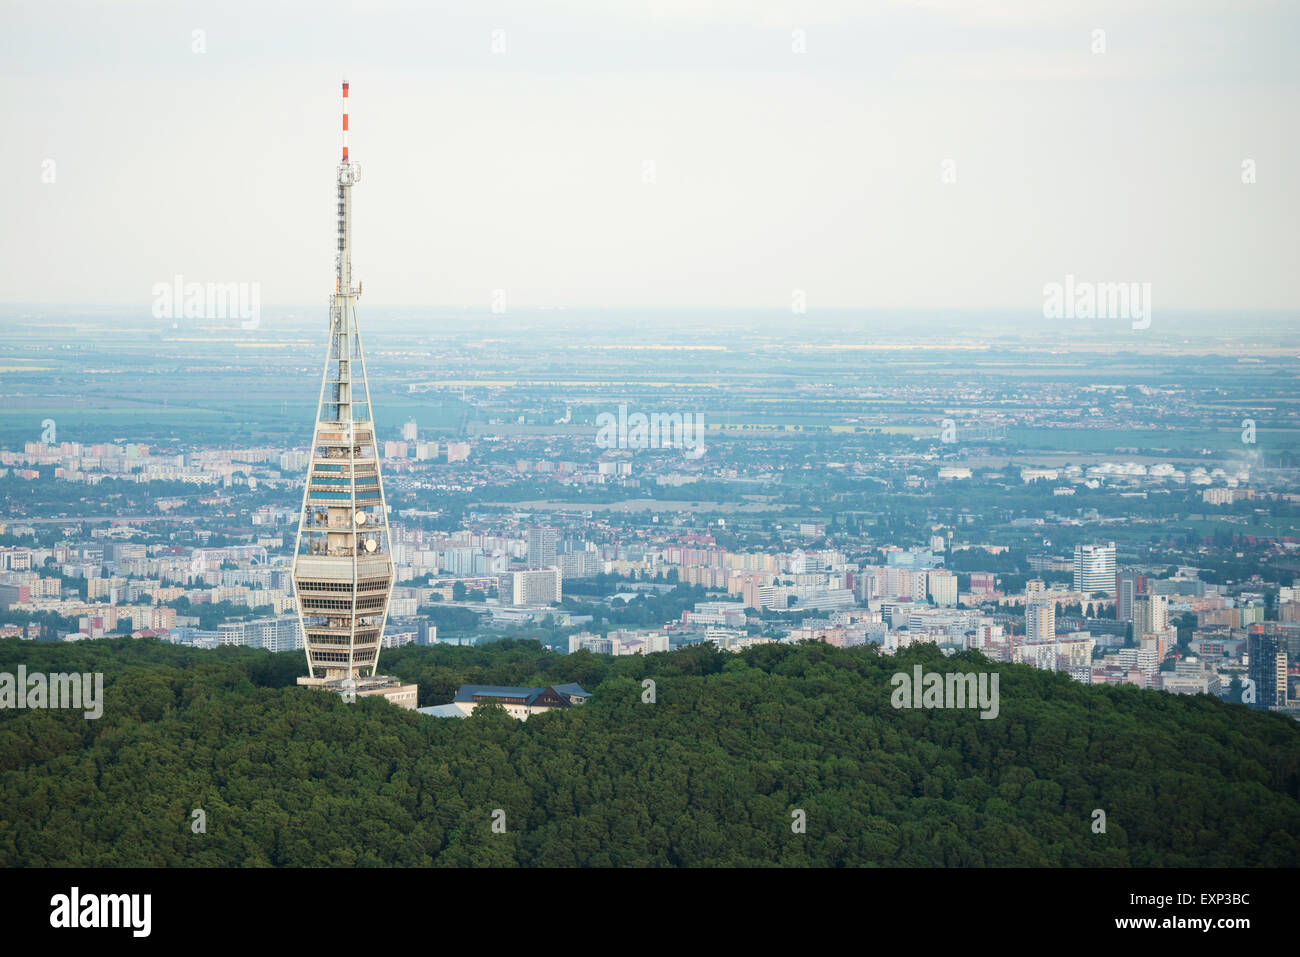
710,773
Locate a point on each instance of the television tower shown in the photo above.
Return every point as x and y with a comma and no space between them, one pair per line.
343,566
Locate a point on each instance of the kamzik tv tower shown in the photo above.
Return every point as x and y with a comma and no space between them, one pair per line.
343,565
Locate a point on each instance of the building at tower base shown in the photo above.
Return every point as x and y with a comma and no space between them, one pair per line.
349,689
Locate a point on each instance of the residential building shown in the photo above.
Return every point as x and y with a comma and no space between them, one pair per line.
542,545
521,703
942,585
532,586
1040,621
1150,615
270,634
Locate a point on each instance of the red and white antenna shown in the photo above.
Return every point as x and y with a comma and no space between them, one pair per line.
345,121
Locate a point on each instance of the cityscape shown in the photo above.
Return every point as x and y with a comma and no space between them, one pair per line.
1132,531
710,476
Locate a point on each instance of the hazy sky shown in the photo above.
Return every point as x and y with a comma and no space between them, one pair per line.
774,170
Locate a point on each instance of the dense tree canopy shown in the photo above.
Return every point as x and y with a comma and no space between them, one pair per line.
707,774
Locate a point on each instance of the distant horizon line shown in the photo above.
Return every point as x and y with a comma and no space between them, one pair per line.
1035,311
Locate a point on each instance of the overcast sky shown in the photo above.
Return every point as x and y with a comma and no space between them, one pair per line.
774,170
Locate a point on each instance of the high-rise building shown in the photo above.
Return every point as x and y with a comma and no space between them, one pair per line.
293,461
1128,585
542,544
342,567
1150,615
410,431
904,583
943,587
1094,568
584,564
1040,621
1267,654
866,584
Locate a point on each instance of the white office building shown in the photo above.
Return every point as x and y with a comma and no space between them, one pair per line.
1094,568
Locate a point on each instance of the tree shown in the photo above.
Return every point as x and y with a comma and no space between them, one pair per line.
708,776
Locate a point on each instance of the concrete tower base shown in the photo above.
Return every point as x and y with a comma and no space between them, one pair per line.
404,696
